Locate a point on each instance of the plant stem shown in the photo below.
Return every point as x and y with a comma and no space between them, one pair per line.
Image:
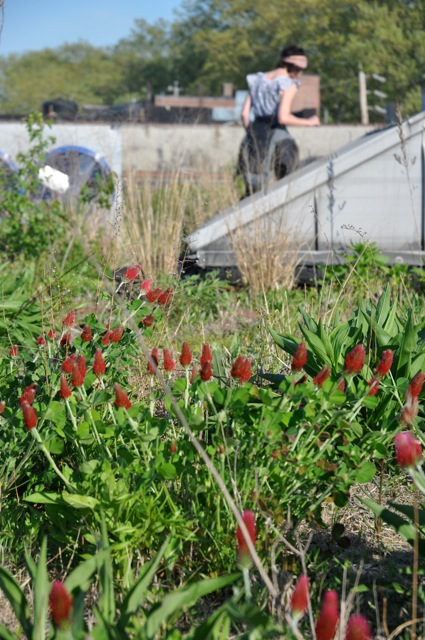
415,563
247,583
44,449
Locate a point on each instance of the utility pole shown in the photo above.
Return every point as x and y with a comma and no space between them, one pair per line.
364,113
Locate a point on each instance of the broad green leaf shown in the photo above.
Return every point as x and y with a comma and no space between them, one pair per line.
182,598
316,346
275,378
44,497
5,634
17,600
286,343
384,306
309,322
167,470
365,472
80,501
106,603
338,337
408,510
135,597
326,343
41,594
371,402
407,347
81,576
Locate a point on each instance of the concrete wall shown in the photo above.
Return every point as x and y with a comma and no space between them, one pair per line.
150,149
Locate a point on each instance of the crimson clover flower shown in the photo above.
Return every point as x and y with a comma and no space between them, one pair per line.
30,416
384,364
51,334
299,599
237,367
244,556
82,365
410,410
69,319
328,619
241,369
373,386
121,398
87,333
60,602
358,628
408,449
116,334
206,355
355,359
99,364
169,363
132,273
415,387
322,376
146,285
41,340
185,356
246,373
28,394
148,320
65,391
155,358
165,296
106,338
300,357
77,377
206,372
13,351
65,341
153,294
2,406
69,362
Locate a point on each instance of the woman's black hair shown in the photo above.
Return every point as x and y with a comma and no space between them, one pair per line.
291,50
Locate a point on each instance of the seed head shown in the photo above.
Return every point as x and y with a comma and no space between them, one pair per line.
60,602
69,320
244,556
99,365
408,449
30,417
185,356
300,357
299,599
355,360
87,333
121,398
384,364
358,628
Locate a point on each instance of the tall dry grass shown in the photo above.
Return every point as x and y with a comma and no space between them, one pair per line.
156,216
267,252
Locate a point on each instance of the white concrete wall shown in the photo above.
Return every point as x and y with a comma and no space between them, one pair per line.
161,148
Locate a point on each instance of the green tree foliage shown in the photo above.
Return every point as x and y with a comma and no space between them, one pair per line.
78,72
216,41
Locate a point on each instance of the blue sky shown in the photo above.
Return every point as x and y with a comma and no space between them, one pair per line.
31,25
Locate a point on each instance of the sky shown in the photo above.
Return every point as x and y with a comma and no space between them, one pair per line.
31,25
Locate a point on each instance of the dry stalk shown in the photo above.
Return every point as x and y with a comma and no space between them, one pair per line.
266,253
